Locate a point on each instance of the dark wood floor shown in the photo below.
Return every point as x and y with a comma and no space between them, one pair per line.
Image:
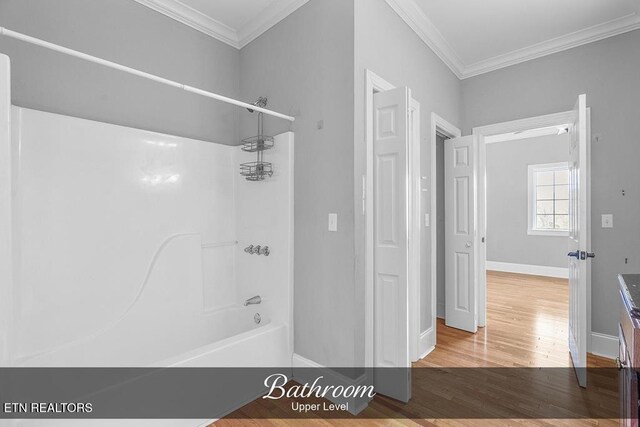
527,320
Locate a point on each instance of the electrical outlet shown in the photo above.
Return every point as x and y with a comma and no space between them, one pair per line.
607,221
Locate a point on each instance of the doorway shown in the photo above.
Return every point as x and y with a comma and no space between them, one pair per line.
432,298
391,208
465,201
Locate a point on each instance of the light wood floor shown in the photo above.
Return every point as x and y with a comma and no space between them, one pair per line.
527,320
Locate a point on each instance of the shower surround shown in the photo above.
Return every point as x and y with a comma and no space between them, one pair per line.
128,247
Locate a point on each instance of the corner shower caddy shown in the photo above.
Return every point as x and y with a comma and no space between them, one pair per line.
258,170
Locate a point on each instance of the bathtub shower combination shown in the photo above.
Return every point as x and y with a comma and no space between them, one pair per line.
137,249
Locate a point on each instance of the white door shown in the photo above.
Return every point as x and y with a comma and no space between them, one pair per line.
579,239
391,212
414,229
460,229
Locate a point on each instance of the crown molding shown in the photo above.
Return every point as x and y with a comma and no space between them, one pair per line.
267,19
197,20
578,38
194,19
415,17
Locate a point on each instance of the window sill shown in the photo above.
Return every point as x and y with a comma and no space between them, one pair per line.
548,233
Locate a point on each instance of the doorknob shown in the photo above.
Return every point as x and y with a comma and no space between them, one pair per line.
584,255
468,245
575,254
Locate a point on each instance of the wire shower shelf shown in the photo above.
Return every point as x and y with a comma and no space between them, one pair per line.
257,143
256,171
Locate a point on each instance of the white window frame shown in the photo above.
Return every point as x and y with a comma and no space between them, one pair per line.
531,230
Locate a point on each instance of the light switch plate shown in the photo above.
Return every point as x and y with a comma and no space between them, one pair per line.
333,222
426,220
607,221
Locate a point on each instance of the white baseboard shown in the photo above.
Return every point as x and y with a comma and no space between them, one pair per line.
426,344
604,345
537,270
356,405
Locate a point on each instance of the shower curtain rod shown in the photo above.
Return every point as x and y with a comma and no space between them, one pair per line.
28,39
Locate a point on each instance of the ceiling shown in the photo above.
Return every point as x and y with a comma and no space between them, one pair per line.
235,22
474,37
471,36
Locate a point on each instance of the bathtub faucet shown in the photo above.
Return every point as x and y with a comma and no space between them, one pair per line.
252,301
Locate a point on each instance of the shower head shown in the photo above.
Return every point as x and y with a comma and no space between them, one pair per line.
261,102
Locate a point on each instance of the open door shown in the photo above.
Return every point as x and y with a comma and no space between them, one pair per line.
391,358
460,234
579,239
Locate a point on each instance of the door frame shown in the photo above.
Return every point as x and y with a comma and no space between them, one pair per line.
438,125
482,132
373,84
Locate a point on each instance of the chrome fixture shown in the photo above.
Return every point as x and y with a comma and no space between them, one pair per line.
257,250
261,102
253,301
258,170
257,318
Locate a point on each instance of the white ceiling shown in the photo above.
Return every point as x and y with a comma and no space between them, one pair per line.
471,36
235,22
474,37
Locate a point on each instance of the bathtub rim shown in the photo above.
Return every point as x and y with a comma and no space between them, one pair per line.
177,360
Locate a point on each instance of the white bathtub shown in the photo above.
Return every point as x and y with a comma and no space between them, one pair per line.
129,251
225,338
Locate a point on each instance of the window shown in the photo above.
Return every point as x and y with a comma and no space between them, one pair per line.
549,199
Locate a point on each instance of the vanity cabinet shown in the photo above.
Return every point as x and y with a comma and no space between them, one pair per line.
628,360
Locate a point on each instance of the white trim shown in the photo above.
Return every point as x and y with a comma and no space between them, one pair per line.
482,132
237,38
568,41
373,83
548,233
535,270
534,133
438,124
532,196
417,20
415,228
426,346
604,345
520,125
356,405
194,19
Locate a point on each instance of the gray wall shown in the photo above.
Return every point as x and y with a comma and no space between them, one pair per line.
385,44
131,34
508,201
305,66
607,71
